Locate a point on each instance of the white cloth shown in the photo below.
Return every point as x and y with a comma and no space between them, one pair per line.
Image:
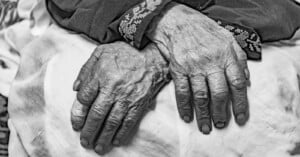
40,98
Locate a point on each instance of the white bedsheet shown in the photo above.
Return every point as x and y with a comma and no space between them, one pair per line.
40,99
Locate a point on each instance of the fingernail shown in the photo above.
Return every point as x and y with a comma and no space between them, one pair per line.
248,83
205,129
98,148
241,117
75,127
220,125
186,118
84,142
76,85
116,142
247,74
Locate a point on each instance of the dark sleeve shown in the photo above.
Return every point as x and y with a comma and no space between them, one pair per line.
100,19
110,20
134,22
253,22
256,21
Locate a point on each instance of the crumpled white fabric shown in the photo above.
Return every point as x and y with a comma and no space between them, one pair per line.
44,60
14,38
41,98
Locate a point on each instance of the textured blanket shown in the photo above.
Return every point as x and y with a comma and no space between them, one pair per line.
41,97
42,63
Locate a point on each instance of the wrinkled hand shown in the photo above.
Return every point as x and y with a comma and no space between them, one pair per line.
116,86
206,64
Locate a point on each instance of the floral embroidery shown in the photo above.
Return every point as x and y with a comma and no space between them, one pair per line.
131,20
248,39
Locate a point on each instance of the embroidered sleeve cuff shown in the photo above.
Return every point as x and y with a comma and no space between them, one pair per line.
246,37
135,21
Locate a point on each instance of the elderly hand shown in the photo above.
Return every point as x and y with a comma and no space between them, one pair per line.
206,64
116,87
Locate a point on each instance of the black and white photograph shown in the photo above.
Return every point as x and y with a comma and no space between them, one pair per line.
149,78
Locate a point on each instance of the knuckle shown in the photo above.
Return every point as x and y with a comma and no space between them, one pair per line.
96,113
184,110
240,107
81,96
200,95
203,112
113,123
202,104
77,123
220,95
79,110
87,132
182,98
181,87
84,96
219,117
124,131
77,118
129,123
183,104
239,83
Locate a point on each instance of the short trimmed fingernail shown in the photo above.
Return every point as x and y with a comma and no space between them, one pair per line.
186,118
75,127
205,129
220,125
247,73
116,142
241,117
84,142
99,148
76,85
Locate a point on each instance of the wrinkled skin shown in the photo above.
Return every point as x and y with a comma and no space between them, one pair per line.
206,64
118,84
116,87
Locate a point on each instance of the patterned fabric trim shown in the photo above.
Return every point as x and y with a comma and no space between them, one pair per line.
247,38
135,21
4,131
8,13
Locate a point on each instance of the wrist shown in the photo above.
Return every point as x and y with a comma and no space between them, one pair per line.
156,63
174,21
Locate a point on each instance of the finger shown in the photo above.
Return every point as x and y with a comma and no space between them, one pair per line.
95,119
200,100
84,72
78,115
238,88
183,97
113,122
219,98
129,126
242,59
79,110
88,92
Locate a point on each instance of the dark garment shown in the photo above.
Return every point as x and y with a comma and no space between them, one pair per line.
4,130
272,19
100,19
110,20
